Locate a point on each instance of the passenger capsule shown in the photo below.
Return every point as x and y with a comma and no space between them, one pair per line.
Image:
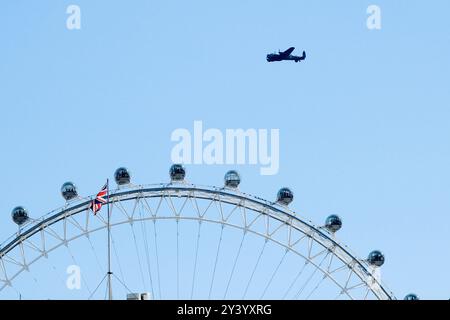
333,223
285,196
411,296
232,179
122,176
376,258
177,172
69,191
19,215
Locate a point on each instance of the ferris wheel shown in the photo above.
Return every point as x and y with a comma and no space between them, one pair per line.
178,240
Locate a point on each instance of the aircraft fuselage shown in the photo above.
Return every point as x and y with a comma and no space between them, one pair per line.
280,56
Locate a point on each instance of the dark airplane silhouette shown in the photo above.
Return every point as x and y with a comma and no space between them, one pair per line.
285,55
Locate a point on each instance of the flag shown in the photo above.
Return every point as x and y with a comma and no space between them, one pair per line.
100,199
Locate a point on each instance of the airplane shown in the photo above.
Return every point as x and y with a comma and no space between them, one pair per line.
285,55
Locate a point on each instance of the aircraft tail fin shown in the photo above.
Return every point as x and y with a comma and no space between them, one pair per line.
304,55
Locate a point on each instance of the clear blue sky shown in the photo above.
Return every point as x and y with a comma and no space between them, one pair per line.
364,121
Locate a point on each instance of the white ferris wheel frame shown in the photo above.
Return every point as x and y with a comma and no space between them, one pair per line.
318,237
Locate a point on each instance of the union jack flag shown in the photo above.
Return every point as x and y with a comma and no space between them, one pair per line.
99,200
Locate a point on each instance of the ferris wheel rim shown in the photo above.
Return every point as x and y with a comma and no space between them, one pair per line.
137,191
202,220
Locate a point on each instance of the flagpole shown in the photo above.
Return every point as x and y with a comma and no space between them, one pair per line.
109,242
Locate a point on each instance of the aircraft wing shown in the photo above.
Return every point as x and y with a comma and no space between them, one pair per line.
289,51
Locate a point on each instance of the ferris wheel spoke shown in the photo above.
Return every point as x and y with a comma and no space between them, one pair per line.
274,273
146,208
216,260
52,266
234,264
255,267
147,250
178,258
157,258
316,287
310,278
295,279
76,263
95,255
138,255
196,257
36,282
116,255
